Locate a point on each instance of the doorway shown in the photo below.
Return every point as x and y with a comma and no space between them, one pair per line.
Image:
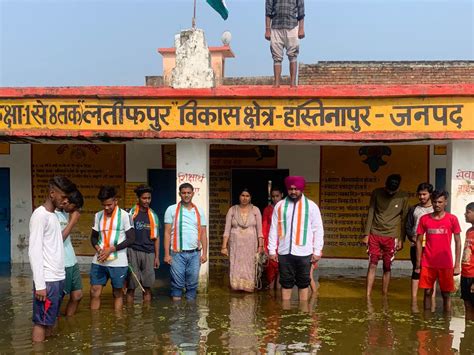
163,183
257,181
5,237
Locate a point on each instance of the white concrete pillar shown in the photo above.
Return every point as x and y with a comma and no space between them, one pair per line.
459,180
193,61
192,165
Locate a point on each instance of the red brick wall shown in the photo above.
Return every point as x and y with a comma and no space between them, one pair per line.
422,72
157,81
354,73
254,80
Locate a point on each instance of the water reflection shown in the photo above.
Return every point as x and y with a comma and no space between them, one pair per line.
467,341
289,327
184,327
380,332
338,321
435,340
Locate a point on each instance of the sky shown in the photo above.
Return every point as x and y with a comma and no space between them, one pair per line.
114,42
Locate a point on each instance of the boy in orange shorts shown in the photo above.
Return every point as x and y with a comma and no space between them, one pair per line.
436,261
467,272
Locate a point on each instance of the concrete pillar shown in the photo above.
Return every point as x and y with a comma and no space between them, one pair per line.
192,165
459,180
218,57
193,61
193,70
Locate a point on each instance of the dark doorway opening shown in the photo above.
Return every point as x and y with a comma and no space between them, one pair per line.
5,223
256,180
163,182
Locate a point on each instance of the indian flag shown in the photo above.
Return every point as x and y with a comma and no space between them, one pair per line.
220,7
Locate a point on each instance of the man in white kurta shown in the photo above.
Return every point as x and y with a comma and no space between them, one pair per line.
297,230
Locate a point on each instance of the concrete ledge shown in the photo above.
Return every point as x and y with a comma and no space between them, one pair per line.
253,91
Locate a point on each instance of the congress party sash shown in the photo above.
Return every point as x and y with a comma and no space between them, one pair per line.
153,218
106,231
178,227
302,218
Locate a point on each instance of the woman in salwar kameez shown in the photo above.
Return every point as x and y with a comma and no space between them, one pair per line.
243,235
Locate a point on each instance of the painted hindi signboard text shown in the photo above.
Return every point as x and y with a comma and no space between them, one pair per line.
155,117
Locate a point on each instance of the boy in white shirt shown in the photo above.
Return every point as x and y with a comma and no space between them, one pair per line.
46,255
111,234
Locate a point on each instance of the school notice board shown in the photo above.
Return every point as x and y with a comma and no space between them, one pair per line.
348,176
89,166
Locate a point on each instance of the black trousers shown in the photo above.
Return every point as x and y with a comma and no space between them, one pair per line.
294,270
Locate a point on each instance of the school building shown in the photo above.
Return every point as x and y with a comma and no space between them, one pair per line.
345,128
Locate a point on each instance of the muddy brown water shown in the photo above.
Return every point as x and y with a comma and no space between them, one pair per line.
338,321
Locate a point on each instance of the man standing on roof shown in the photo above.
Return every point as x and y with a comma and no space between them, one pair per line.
284,27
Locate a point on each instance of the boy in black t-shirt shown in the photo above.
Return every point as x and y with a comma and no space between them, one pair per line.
143,255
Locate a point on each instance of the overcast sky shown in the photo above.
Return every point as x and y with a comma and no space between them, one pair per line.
114,42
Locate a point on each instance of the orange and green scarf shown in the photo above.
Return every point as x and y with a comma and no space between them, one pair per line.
154,222
178,227
302,218
106,230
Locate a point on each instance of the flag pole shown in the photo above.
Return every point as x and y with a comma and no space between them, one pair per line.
194,16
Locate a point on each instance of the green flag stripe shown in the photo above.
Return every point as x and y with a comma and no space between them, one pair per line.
101,215
117,232
156,218
306,218
284,216
181,228
220,7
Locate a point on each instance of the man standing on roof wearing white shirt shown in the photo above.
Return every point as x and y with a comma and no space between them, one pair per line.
46,255
297,229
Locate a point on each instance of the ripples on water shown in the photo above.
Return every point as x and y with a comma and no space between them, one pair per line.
339,320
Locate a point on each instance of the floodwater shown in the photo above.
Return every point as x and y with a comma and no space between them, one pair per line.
339,321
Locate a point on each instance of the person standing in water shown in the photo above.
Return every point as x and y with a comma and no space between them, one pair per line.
46,256
144,254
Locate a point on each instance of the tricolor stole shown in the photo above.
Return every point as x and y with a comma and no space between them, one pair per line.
109,227
302,206
178,227
153,218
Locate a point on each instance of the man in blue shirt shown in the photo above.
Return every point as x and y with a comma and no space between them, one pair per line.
185,243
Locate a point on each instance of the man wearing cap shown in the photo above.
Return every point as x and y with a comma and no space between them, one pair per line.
297,229
384,232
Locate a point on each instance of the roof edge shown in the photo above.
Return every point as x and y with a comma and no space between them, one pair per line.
256,91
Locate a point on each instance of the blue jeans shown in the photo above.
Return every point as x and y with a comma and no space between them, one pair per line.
185,273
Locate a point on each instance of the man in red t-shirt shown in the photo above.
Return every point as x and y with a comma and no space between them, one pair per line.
436,261
467,264
272,267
